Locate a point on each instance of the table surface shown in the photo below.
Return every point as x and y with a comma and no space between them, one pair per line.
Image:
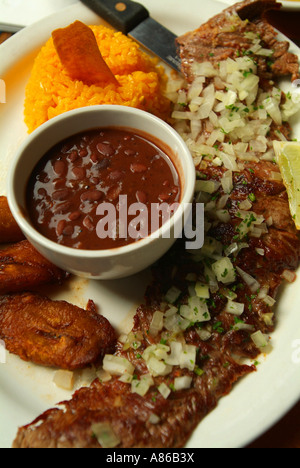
286,433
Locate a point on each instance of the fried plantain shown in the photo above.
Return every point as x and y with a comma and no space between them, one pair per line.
54,333
23,268
9,229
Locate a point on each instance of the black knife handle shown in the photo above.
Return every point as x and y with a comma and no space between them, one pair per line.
124,15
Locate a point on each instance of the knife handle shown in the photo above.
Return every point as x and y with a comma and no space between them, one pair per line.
124,15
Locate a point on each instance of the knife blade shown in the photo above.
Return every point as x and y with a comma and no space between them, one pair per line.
133,19
10,28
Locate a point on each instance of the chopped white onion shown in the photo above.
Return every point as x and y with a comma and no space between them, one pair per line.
188,357
155,357
227,182
157,323
182,383
263,292
103,376
196,310
222,202
202,290
174,358
223,216
195,89
269,301
289,276
212,280
64,379
232,106
260,339
276,176
164,390
172,295
265,52
207,186
142,386
272,108
231,249
230,295
204,69
176,323
229,161
105,435
157,367
126,378
246,205
224,271
117,365
268,319
159,351
132,340
203,334
249,280
243,326
255,232
235,308
171,311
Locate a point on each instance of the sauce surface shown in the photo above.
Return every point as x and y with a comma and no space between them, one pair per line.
103,166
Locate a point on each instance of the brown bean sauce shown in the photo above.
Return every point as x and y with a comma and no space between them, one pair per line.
99,166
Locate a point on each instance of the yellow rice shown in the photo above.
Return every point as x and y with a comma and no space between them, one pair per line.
51,92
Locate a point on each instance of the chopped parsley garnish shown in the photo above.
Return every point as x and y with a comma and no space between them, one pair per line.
218,327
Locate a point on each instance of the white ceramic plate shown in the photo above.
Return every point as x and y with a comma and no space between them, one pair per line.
25,12
26,390
288,5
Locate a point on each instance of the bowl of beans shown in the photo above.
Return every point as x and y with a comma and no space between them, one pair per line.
102,191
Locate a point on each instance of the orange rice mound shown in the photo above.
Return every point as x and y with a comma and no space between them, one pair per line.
50,91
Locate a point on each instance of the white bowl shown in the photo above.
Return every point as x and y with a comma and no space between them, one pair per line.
98,264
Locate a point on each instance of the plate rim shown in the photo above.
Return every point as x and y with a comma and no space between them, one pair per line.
11,49
289,5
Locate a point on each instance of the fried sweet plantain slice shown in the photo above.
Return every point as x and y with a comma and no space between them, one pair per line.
54,333
23,268
79,54
9,229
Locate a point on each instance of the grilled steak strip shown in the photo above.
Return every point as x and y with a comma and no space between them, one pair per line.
225,35
129,414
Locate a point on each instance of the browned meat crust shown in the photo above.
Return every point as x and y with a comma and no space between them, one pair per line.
54,333
224,36
9,229
23,268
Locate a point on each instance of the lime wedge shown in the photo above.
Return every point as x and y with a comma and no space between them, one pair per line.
288,159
